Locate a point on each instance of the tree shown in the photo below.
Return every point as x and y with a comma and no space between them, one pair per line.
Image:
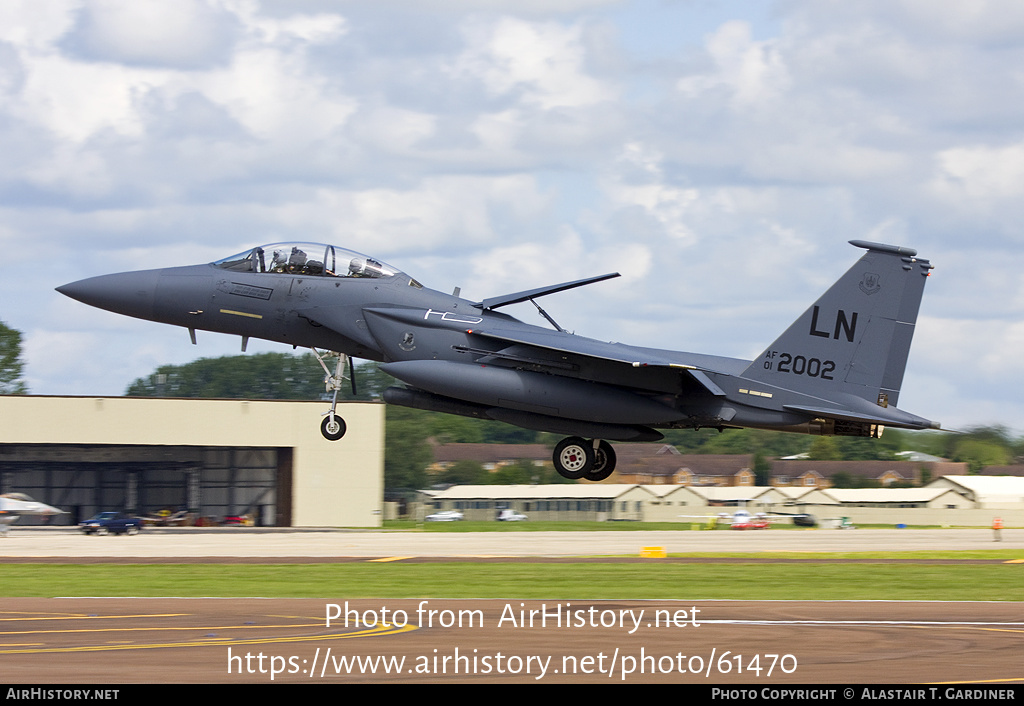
979,453
824,448
406,452
266,376
862,448
522,472
11,364
762,469
843,479
463,472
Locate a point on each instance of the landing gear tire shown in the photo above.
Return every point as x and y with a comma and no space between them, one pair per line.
573,457
333,428
604,462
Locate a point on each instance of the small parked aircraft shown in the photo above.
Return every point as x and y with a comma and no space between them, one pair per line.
14,505
743,519
837,370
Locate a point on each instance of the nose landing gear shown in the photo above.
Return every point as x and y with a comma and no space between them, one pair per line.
576,458
333,426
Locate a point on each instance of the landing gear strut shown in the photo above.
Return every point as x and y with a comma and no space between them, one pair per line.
604,462
333,426
576,458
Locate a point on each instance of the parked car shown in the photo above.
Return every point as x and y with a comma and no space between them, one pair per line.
111,523
445,516
509,515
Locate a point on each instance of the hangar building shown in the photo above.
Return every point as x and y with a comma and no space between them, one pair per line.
212,457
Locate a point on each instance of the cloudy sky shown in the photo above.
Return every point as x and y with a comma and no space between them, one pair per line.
719,154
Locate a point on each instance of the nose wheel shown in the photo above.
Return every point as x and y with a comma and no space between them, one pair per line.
333,427
576,458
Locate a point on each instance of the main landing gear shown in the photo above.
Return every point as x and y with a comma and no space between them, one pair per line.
576,458
333,426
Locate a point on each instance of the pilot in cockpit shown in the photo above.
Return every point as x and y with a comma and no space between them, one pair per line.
279,262
359,267
297,261
294,262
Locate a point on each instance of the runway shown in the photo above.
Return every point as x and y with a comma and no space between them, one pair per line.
25,542
710,642
109,641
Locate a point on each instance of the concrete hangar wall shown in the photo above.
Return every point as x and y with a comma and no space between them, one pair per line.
192,447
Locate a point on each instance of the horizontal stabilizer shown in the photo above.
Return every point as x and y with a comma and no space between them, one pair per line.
888,416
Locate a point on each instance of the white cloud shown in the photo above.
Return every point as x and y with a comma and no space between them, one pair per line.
184,34
501,145
319,28
421,219
543,64
985,173
275,96
529,8
639,183
393,130
36,24
563,256
76,100
979,22
754,72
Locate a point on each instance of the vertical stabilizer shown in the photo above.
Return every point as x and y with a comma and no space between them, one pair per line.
856,338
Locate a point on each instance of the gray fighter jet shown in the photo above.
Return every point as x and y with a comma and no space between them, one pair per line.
836,370
14,505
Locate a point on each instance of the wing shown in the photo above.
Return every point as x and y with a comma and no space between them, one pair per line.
636,357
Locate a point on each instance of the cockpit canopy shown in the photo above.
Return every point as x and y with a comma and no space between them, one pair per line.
311,259
18,496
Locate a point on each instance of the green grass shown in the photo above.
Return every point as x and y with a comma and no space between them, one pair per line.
996,582
956,555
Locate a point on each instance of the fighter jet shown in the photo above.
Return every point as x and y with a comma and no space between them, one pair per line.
837,370
14,505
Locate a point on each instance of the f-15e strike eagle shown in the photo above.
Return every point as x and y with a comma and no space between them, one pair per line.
836,370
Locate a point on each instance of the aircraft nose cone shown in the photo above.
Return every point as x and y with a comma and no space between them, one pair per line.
128,293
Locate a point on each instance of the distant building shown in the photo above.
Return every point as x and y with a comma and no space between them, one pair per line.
847,498
637,464
593,502
988,492
1017,470
951,500
663,464
490,456
818,474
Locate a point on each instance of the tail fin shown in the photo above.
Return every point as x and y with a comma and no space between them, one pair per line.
856,337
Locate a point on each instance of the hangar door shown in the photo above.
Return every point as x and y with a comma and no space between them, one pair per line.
208,482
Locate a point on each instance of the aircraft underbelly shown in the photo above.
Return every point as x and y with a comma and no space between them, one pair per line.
536,393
